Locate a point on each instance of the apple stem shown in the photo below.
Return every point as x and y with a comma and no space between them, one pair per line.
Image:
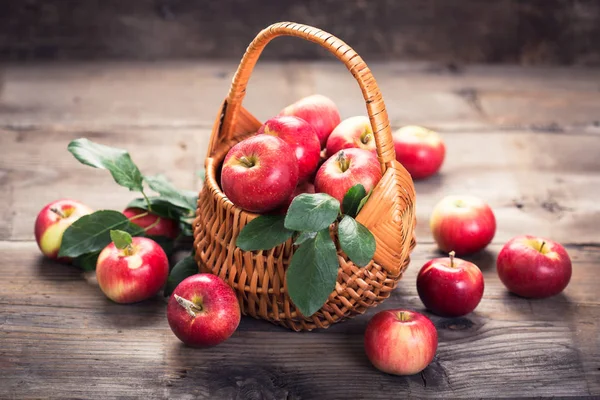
58,212
542,246
403,316
246,161
343,161
452,254
366,138
190,307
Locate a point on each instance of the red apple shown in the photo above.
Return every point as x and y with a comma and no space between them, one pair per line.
319,111
450,287
533,267
259,173
53,220
301,137
345,169
160,226
134,273
203,310
353,132
305,187
464,224
421,151
400,342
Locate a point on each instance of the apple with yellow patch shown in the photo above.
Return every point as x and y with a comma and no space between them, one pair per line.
131,269
53,220
420,150
353,132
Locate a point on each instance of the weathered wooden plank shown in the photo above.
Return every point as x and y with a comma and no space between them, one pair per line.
58,330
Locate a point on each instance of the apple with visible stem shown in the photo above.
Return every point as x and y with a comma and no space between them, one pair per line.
400,342
421,151
450,287
463,224
154,225
304,187
203,310
345,169
259,173
319,111
301,137
353,132
53,220
534,267
130,270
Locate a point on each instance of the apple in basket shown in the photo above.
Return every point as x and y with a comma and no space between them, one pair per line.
303,139
345,169
159,226
319,111
421,151
304,187
259,173
352,132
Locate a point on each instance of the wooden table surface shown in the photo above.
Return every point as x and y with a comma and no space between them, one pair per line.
527,140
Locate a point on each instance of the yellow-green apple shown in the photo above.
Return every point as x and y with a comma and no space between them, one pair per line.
304,187
464,224
259,173
450,287
301,137
353,132
421,151
53,220
159,226
533,267
319,111
203,310
345,169
134,273
400,342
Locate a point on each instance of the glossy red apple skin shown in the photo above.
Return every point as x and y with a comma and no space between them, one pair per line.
421,151
267,181
353,132
463,224
400,342
217,317
304,187
450,288
362,167
301,137
50,225
164,227
319,111
125,278
529,272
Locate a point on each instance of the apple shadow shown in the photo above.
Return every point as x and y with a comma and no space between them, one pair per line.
555,308
55,271
484,259
151,312
429,185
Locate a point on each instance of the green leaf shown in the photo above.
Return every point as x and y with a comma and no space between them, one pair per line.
364,201
160,207
312,273
356,241
183,269
180,198
87,261
312,212
117,161
352,199
167,244
263,233
121,239
186,228
92,232
304,236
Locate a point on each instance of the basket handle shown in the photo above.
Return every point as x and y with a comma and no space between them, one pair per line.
355,64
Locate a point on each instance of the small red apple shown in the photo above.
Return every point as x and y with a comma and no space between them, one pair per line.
301,137
421,151
134,273
319,111
353,132
304,187
259,173
400,342
160,226
450,287
53,220
464,224
203,310
533,267
345,169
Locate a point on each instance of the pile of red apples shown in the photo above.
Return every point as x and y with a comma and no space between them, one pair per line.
307,148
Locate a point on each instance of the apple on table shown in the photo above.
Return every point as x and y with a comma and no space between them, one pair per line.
420,150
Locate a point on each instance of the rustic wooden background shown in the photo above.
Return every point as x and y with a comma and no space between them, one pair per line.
527,140
448,31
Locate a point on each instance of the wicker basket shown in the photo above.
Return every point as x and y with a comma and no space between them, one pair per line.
259,277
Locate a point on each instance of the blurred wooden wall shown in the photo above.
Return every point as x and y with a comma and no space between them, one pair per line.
452,31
